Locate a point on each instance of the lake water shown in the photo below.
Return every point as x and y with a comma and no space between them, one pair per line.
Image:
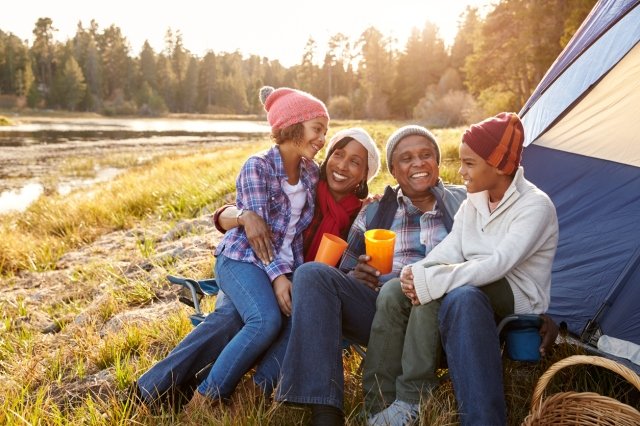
35,153
154,125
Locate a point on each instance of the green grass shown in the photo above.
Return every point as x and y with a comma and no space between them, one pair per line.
81,374
4,121
174,188
83,167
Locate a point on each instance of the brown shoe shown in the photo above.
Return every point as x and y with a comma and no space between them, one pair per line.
199,406
247,393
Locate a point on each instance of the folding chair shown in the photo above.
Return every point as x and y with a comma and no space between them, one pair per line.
193,291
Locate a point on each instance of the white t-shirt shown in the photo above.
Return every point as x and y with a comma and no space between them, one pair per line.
297,197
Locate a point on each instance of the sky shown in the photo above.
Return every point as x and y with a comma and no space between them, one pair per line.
274,29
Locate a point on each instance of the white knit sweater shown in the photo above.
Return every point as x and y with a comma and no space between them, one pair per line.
517,242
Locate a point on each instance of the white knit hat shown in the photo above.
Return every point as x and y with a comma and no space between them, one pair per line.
363,138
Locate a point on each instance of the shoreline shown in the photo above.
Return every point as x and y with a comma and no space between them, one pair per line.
60,152
26,113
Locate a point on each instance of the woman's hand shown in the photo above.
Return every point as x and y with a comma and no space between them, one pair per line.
282,290
406,283
370,199
259,235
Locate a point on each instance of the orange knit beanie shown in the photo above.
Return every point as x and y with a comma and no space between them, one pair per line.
498,140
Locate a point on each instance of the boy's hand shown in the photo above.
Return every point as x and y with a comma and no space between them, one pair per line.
549,332
406,283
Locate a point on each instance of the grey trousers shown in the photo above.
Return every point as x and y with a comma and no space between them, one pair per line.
404,349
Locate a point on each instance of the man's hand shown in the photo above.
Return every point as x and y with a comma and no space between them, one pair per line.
548,332
406,283
366,273
282,290
258,234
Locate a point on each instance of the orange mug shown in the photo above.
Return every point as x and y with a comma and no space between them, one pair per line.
379,244
330,249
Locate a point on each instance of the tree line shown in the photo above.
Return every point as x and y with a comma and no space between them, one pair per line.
493,65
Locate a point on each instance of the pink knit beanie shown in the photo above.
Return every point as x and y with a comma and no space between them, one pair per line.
498,140
287,106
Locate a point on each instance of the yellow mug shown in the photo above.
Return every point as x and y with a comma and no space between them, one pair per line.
379,244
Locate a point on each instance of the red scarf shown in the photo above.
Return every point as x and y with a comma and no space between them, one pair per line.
334,217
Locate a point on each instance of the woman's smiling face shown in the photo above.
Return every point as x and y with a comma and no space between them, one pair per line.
346,168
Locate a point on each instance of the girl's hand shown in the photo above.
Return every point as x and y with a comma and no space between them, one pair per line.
259,235
282,290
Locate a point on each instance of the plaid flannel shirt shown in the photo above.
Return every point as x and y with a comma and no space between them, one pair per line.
259,189
416,234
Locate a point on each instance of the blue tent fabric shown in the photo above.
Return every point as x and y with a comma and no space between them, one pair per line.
596,271
593,213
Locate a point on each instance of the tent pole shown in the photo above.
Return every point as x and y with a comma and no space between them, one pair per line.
592,330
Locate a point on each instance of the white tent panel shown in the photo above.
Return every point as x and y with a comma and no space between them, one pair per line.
587,69
606,123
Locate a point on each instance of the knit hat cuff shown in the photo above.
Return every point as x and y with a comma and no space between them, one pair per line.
498,140
286,106
363,138
405,131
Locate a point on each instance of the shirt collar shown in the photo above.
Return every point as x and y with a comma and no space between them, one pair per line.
481,199
277,161
406,202
280,173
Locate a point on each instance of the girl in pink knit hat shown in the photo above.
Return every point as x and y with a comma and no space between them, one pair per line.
278,184
351,162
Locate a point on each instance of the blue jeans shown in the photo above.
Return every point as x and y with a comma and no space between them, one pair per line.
201,347
249,289
269,367
327,305
470,340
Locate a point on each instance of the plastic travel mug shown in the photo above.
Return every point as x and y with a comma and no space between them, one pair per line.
379,244
330,249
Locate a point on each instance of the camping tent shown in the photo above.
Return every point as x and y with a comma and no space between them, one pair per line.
582,133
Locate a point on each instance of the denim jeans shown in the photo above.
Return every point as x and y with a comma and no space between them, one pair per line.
327,305
467,322
269,367
404,350
178,372
249,289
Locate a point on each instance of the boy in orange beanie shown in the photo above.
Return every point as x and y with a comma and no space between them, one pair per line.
495,262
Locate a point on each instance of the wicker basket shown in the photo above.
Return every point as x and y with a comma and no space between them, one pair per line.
582,408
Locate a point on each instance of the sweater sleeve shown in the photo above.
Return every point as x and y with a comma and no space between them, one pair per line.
447,251
444,270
